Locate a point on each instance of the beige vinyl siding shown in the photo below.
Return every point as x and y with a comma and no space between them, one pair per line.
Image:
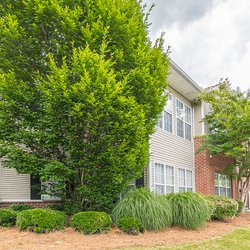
169,149
14,186
198,113
197,119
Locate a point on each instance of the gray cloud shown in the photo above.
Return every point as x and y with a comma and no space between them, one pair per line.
181,13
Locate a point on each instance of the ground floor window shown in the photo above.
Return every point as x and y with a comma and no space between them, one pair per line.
222,185
185,180
164,179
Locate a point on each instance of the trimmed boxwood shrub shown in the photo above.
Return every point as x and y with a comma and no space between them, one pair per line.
241,206
7,217
40,220
223,207
21,207
154,211
190,210
130,225
91,222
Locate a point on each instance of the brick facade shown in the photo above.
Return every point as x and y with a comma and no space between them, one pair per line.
35,204
205,168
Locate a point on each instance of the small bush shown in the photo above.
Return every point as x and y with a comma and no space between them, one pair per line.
224,207
57,207
7,217
21,207
130,225
190,210
241,206
40,220
154,211
66,207
91,222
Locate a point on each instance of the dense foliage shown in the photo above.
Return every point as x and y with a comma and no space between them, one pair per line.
7,217
190,210
67,207
223,207
81,90
40,220
91,222
130,225
20,207
229,123
154,211
241,207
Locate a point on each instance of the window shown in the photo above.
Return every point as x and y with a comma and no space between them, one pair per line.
185,180
166,121
164,179
222,185
184,120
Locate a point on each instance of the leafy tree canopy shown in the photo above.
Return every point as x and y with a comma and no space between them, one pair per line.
229,122
81,89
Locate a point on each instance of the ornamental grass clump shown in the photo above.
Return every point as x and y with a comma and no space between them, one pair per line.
91,222
190,210
7,217
154,211
40,220
130,225
223,207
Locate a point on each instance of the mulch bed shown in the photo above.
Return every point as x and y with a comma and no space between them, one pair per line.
70,240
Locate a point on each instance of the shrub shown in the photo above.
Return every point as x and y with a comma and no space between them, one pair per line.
21,207
40,220
190,210
154,211
241,206
224,207
66,207
130,225
91,222
7,217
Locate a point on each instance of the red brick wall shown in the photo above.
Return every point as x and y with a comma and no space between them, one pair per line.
35,204
205,168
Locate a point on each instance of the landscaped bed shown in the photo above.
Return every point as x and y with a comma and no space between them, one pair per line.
11,238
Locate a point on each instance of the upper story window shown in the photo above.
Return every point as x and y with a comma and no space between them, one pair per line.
166,120
184,120
164,179
185,180
222,185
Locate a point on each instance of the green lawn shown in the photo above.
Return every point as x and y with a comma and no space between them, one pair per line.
239,239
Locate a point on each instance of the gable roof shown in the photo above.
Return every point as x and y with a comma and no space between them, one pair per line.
183,83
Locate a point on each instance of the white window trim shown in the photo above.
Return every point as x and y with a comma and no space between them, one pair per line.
165,179
184,121
185,179
219,186
162,116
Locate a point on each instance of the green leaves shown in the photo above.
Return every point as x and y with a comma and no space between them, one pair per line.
229,122
81,90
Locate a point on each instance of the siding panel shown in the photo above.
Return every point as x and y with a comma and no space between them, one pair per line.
168,148
14,186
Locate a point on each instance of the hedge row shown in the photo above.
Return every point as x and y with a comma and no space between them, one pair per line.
139,210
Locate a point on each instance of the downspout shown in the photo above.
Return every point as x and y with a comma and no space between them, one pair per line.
149,167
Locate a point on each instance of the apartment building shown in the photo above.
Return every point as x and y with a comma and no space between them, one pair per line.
173,165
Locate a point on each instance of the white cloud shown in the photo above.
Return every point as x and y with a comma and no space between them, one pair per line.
213,46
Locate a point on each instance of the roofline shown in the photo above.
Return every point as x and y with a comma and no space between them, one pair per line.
185,76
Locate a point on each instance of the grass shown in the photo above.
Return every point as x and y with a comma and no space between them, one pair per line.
154,211
239,239
190,210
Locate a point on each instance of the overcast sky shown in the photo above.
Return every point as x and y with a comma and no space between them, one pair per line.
209,39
